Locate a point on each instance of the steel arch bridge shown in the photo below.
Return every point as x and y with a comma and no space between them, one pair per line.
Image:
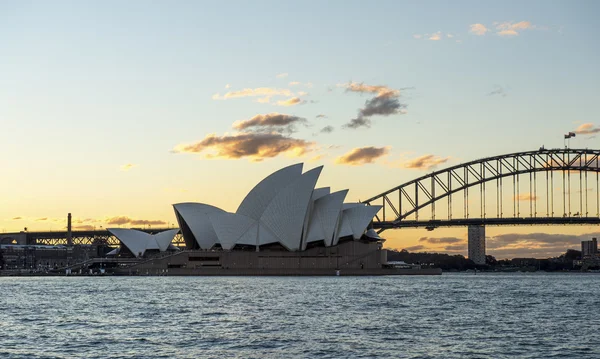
511,189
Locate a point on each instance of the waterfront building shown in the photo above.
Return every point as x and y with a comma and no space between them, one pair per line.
138,242
589,249
477,244
284,211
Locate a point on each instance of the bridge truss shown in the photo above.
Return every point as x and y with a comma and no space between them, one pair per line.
516,188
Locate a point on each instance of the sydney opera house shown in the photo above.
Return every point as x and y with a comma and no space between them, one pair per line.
284,226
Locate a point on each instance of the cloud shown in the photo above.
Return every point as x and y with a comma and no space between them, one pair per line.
357,123
498,90
436,36
425,162
539,245
385,103
525,197
478,29
321,116
294,83
417,36
449,36
441,240
227,86
42,219
127,167
316,158
327,129
85,227
456,248
587,129
277,122
512,29
290,102
121,220
17,218
282,75
415,248
362,155
255,146
265,92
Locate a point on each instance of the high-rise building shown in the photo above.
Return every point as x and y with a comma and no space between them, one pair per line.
589,248
477,244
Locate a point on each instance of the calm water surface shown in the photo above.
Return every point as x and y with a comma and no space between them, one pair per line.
450,316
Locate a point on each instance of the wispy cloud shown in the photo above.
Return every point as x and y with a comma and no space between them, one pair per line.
525,197
290,102
436,36
294,83
127,167
362,155
17,218
425,162
512,29
122,220
282,75
254,146
587,129
478,29
320,116
498,91
415,248
42,219
265,92
441,240
270,122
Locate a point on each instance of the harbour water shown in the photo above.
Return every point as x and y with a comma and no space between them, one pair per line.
533,315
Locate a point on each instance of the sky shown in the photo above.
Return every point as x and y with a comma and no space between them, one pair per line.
115,110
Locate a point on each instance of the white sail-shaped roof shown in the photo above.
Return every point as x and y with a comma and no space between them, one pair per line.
164,238
320,192
139,242
262,194
343,229
284,216
324,218
230,227
359,218
136,241
196,218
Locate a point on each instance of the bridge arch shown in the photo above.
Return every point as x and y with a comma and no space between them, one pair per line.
409,198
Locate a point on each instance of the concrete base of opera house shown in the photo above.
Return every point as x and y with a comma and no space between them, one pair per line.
352,258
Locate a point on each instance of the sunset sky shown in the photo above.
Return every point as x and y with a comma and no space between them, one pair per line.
115,110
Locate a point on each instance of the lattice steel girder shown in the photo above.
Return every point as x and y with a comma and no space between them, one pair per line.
463,176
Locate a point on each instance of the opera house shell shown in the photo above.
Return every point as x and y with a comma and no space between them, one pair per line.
284,209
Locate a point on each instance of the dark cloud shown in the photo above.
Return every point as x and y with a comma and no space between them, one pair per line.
255,146
425,162
42,219
321,116
415,248
382,106
327,129
358,123
271,122
361,156
385,103
121,220
448,240
17,218
456,248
